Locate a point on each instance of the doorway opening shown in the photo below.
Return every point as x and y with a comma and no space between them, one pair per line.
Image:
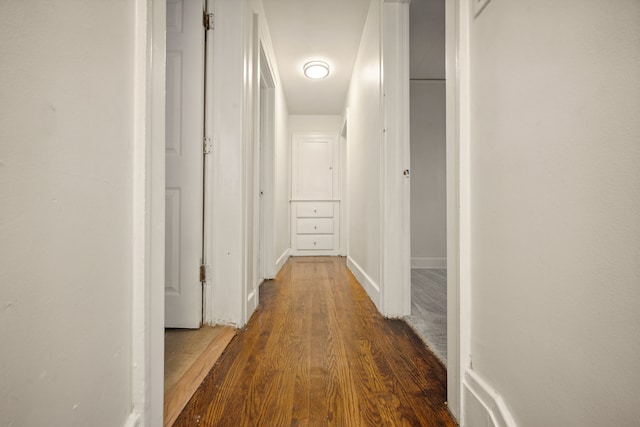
452,196
428,175
190,348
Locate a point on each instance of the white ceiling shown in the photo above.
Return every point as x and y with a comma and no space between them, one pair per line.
304,30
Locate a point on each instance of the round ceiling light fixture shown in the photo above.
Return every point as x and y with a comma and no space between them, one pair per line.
316,69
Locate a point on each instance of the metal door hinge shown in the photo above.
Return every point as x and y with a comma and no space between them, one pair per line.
208,21
207,145
204,272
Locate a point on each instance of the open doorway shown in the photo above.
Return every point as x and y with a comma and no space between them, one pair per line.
190,348
428,175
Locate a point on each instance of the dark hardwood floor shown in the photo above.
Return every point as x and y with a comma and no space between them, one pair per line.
317,352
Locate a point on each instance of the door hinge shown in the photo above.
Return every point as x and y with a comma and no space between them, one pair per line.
207,145
204,272
207,21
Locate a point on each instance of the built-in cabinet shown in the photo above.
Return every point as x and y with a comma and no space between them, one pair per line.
315,202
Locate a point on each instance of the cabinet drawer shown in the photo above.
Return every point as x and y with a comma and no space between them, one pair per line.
315,242
314,210
315,225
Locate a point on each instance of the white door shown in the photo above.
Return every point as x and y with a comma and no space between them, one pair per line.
184,163
313,160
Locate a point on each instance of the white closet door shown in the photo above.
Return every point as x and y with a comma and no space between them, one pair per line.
313,160
184,163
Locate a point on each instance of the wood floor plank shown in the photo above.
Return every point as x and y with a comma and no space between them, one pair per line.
318,353
177,396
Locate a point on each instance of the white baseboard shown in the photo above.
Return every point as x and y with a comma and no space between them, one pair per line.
482,405
428,263
133,420
282,260
252,303
367,283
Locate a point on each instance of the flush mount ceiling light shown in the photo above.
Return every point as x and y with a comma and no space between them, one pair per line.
316,69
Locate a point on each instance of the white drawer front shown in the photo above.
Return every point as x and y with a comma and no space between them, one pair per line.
314,210
315,225
315,242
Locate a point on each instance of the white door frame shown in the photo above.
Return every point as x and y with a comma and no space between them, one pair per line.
148,207
396,258
395,226
207,226
148,214
267,161
252,174
343,142
457,23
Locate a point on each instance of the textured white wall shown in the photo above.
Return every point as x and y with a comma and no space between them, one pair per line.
555,137
363,149
66,138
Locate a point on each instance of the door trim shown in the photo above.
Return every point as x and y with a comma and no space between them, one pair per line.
207,187
147,323
457,23
395,233
267,267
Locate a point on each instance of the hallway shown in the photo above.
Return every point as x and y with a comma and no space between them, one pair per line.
317,352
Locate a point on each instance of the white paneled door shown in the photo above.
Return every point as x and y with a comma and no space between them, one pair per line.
313,161
184,163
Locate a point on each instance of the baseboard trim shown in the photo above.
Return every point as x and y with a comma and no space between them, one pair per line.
133,420
282,260
483,406
304,252
372,289
428,263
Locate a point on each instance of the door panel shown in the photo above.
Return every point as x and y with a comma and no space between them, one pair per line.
313,168
184,163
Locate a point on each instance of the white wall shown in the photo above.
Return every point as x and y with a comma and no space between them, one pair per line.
319,123
428,136
364,103
427,48
428,174
66,182
555,181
